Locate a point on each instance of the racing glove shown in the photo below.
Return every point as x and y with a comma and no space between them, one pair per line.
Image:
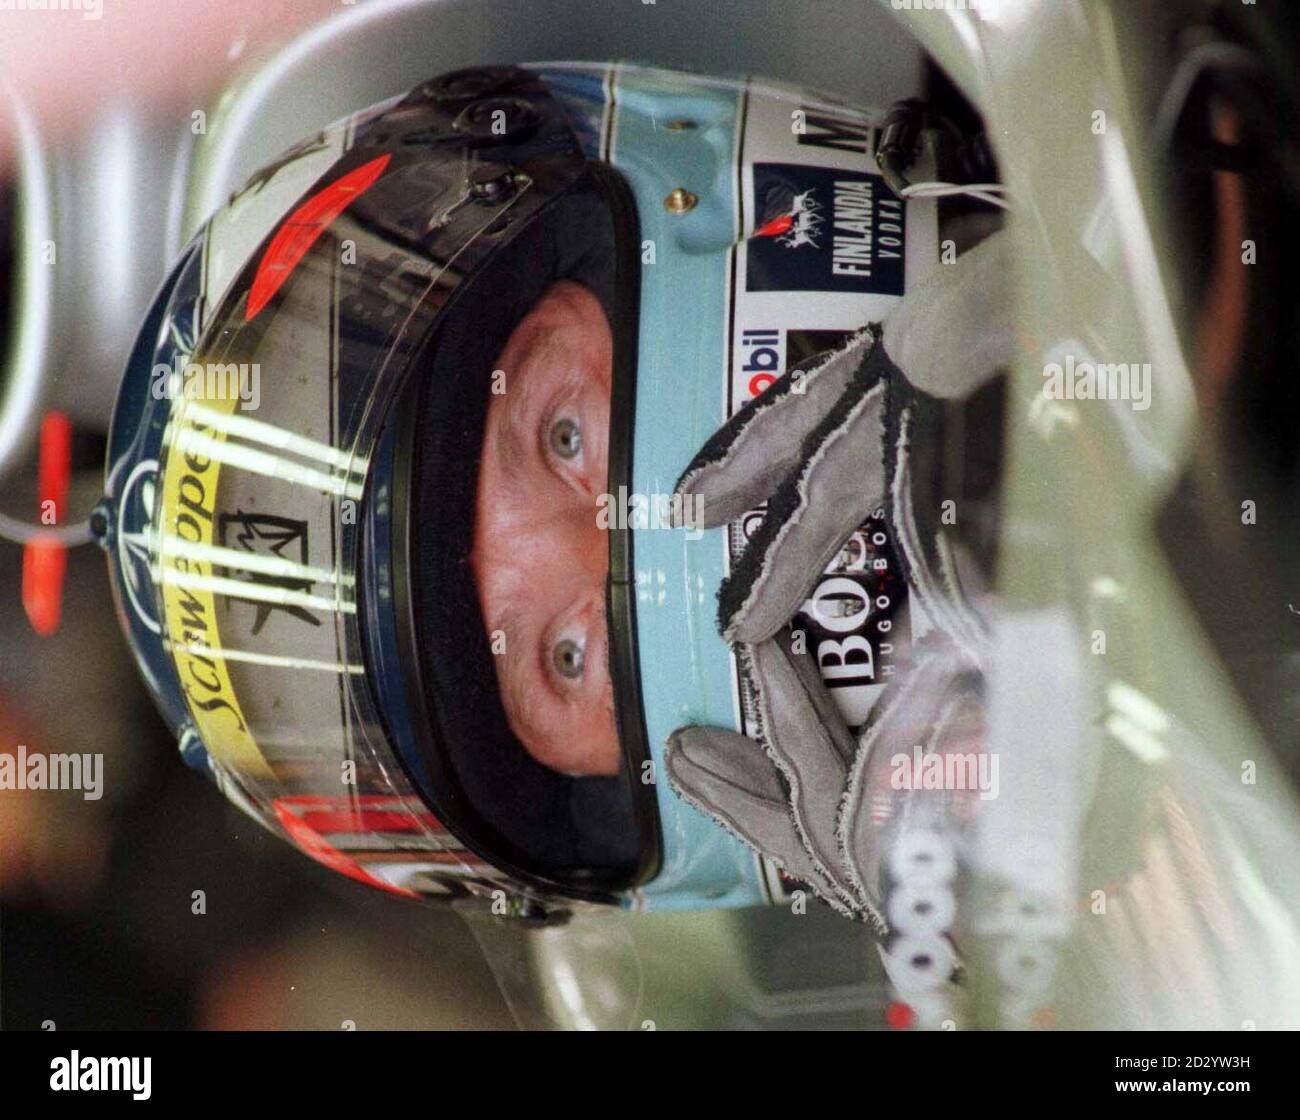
828,443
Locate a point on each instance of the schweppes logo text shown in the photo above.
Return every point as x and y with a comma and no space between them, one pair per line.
190,480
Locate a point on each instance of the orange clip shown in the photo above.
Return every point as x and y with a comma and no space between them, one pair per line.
45,561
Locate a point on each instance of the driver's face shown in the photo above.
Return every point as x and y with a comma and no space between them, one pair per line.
539,557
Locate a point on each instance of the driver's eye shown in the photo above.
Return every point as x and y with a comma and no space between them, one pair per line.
567,657
566,438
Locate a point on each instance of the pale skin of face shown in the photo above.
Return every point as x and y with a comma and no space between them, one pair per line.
540,559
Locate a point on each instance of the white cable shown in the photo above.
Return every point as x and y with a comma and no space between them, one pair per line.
952,188
984,192
21,532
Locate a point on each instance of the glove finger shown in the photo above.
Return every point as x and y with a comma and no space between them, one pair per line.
729,778
929,557
955,329
805,737
745,460
814,511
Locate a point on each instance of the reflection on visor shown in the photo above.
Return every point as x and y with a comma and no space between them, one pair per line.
368,829
303,227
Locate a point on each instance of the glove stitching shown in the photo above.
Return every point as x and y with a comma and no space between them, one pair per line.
745,652
850,799
916,568
723,821
723,443
783,513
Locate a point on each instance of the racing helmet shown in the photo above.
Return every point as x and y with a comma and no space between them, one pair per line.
295,449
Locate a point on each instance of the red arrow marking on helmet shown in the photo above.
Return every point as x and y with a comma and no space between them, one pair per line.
776,226
301,229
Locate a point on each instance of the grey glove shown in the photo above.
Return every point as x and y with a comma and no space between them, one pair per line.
824,446
808,796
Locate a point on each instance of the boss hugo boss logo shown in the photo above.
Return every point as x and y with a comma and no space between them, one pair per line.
855,620
77,1073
